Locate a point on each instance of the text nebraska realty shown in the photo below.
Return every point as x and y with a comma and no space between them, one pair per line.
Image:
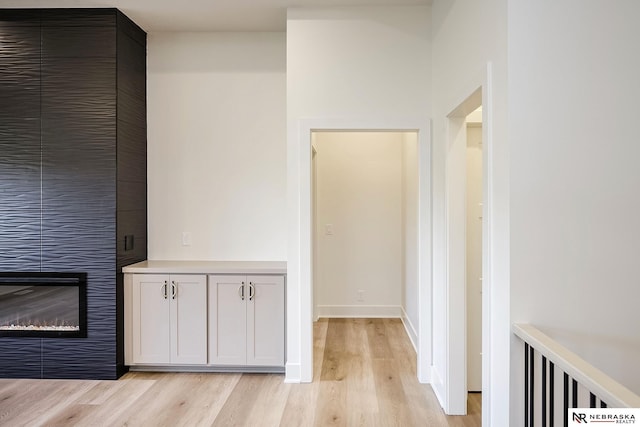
604,418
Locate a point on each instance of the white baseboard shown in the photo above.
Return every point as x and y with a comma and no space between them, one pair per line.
438,387
292,373
360,311
411,331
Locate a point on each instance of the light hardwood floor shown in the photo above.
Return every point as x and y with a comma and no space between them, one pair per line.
364,375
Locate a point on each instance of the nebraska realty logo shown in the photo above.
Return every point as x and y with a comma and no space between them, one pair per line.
581,416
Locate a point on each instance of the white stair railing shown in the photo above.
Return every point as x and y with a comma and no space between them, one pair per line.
555,378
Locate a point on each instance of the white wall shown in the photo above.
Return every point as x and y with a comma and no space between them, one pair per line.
474,257
410,233
573,100
467,35
217,146
359,224
349,63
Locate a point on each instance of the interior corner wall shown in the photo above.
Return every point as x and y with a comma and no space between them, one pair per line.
359,224
466,36
217,146
573,101
347,63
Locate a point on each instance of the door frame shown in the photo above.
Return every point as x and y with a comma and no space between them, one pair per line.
454,398
300,260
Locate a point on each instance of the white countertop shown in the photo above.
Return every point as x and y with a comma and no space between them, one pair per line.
207,267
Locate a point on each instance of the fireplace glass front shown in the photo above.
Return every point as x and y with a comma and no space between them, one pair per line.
43,304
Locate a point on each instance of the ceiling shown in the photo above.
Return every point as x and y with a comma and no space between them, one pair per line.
207,15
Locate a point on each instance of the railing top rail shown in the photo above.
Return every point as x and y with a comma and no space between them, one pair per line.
599,383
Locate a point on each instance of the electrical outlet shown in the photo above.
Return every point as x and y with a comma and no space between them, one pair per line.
328,229
186,238
360,295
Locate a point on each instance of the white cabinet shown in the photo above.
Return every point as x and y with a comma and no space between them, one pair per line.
168,319
246,320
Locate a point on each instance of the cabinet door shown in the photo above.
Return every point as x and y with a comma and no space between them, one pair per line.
265,321
150,318
188,296
227,320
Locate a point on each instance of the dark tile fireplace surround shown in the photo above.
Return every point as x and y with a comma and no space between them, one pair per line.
72,187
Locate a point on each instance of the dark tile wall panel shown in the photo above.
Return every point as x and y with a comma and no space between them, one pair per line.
78,17
131,142
132,222
131,160
79,202
93,357
132,195
73,172
19,18
20,357
132,67
20,241
84,42
89,359
127,27
19,148
131,110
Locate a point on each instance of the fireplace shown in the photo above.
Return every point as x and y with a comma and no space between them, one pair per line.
43,305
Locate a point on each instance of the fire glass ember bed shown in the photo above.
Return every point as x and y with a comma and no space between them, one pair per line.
43,305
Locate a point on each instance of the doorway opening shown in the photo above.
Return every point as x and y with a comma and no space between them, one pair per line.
474,205
466,253
301,239
365,222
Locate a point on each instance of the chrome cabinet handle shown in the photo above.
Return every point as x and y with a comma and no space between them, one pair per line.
164,290
252,291
241,291
174,290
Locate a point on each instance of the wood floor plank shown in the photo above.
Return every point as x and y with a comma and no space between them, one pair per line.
300,409
333,366
364,374
101,392
268,407
392,401
152,405
331,404
378,342
110,412
319,339
246,393
362,398
35,401
73,415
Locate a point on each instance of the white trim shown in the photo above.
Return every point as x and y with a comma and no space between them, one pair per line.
437,385
292,373
455,377
454,393
411,331
490,329
377,311
606,388
300,241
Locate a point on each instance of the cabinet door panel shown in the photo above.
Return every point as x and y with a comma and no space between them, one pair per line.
265,321
150,320
189,314
227,320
